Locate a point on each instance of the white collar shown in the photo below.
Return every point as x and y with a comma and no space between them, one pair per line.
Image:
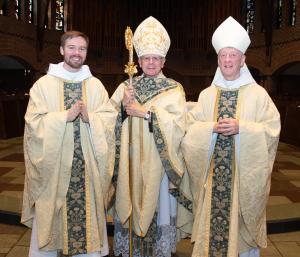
244,79
58,70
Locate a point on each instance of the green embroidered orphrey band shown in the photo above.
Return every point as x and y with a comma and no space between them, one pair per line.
168,166
76,198
118,132
147,88
222,180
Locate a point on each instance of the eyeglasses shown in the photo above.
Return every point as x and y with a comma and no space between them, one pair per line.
153,58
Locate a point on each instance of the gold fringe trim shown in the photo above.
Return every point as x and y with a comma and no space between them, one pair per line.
61,95
141,134
208,206
65,229
88,210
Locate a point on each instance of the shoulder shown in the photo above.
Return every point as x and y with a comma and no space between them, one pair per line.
208,91
94,84
45,82
94,81
171,81
255,90
45,79
175,84
256,95
126,82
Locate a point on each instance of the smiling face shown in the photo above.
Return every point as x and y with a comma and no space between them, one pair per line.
151,64
74,52
230,61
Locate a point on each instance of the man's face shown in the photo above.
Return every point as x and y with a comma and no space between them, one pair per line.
151,64
230,61
74,52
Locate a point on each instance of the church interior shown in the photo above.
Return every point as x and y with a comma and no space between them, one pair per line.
30,33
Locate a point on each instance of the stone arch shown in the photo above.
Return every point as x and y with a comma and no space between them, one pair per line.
287,79
285,55
257,59
16,73
20,49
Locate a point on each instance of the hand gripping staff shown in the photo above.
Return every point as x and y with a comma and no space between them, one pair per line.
130,69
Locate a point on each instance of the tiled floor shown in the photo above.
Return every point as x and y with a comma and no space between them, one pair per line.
14,242
283,205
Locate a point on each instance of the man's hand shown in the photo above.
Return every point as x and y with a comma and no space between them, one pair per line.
226,126
73,112
83,113
136,110
128,96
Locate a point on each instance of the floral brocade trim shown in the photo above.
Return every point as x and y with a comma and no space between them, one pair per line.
147,88
76,197
222,180
118,131
163,152
181,199
168,166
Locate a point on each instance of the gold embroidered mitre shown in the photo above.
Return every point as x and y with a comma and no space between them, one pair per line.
151,37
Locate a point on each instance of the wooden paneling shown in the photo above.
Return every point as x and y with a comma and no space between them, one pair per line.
12,111
189,23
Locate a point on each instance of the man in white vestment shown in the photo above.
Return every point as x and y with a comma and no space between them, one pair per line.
148,176
229,149
69,160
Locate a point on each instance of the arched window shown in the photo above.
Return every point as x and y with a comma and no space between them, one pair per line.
250,14
59,15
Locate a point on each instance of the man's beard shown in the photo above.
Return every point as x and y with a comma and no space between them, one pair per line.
74,64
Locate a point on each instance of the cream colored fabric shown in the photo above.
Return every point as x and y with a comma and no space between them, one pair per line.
35,252
48,151
256,144
147,169
230,34
151,37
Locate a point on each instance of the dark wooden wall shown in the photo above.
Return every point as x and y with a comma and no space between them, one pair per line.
189,23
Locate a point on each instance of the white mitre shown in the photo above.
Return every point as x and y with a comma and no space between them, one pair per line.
151,37
230,34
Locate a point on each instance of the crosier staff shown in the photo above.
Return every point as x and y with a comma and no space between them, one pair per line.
130,69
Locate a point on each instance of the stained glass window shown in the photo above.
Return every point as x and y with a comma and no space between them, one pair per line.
30,11
59,16
278,21
250,14
1,7
17,10
292,18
